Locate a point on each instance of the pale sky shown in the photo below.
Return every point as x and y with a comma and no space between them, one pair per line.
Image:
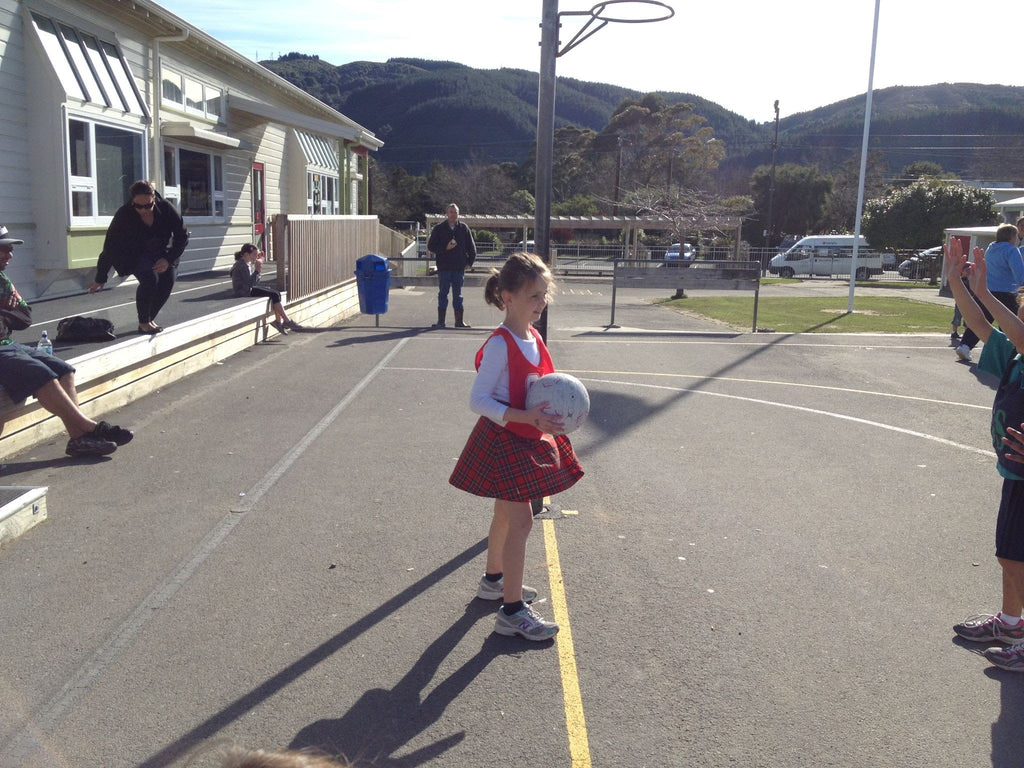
741,54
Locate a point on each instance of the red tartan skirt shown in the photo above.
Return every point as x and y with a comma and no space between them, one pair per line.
499,464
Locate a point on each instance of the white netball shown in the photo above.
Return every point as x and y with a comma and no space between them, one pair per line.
566,397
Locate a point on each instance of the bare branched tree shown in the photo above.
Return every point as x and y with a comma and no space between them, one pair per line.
687,211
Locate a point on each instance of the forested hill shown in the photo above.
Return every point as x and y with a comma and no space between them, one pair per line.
428,111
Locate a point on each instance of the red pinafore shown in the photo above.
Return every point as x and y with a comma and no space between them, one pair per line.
516,462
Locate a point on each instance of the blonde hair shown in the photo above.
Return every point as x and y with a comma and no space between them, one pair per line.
520,269
233,756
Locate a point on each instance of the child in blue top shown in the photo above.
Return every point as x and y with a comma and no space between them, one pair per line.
999,357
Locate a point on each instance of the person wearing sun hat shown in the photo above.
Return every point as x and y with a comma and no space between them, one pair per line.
25,371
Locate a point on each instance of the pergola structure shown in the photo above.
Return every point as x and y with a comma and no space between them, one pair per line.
631,224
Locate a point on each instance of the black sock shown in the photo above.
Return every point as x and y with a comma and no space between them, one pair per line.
493,577
512,608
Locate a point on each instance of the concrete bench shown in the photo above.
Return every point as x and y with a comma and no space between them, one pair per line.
115,375
721,275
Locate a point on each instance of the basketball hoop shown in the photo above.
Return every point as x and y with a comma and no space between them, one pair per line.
600,12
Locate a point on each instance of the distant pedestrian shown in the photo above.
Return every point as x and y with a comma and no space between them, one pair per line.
146,239
1000,358
245,274
453,247
1005,274
514,455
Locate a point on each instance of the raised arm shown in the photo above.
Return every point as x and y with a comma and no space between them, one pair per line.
958,268
1005,317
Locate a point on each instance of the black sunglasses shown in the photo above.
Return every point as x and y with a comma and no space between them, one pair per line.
142,206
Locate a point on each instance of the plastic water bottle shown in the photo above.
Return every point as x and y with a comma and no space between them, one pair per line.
44,345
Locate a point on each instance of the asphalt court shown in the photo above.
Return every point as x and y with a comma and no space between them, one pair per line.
771,543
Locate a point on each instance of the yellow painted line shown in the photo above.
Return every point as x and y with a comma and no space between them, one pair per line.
579,745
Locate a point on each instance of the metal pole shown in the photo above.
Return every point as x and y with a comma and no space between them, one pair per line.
545,140
771,182
863,161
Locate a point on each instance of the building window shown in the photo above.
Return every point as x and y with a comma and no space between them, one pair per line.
89,68
194,182
191,96
102,162
321,193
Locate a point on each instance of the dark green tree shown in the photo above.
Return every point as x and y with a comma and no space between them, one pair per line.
922,169
577,205
914,217
397,195
659,144
841,207
801,192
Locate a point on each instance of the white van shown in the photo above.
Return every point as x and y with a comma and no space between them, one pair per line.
827,255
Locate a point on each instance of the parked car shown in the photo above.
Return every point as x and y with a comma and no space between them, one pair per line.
674,251
925,265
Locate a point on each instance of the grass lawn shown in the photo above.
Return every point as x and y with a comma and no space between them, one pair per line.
871,314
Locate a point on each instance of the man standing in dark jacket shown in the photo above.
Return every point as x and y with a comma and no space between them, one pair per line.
452,244
146,238
25,371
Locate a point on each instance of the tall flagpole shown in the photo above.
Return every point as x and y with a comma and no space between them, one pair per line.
863,161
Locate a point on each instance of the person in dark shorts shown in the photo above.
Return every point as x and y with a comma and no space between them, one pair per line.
999,357
26,371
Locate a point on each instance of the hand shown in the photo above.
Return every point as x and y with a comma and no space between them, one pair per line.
10,301
955,259
161,265
976,275
547,423
451,244
1014,442
94,287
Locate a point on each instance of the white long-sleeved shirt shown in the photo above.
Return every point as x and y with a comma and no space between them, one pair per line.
490,394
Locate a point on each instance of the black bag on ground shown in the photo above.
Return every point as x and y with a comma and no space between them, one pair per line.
80,328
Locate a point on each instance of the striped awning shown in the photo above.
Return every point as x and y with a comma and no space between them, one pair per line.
320,152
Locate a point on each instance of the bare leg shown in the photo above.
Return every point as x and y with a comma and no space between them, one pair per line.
1013,586
279,313
55,399
519,520
496,539
67,383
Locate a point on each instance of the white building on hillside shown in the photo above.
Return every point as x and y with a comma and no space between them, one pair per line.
99,93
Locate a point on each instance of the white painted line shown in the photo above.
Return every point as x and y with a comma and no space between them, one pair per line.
582,374
30,740
804,409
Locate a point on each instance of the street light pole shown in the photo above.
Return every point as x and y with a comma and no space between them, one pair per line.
545,141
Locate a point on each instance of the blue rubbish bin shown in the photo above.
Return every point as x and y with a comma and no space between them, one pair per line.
373,280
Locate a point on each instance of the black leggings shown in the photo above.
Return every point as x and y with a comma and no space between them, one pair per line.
153,292
270,293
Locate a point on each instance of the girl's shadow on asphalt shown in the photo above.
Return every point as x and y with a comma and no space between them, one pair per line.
382,721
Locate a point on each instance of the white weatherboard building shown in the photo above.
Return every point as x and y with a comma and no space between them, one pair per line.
99,93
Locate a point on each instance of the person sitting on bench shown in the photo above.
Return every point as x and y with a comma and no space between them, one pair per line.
25,371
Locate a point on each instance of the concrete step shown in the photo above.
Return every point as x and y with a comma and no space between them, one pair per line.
21,508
